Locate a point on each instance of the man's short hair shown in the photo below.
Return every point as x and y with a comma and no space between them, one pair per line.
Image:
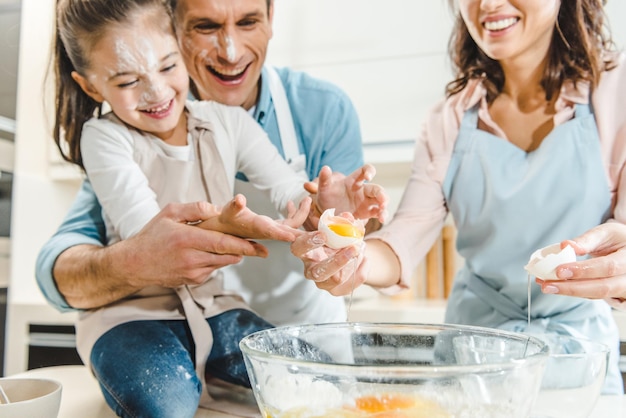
174,3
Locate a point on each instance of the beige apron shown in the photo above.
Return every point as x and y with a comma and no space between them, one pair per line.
195,303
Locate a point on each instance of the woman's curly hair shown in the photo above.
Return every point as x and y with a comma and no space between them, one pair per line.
580,42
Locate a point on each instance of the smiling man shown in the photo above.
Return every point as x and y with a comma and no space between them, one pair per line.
311,122
224,44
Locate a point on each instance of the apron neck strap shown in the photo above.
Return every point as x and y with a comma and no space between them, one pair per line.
284,118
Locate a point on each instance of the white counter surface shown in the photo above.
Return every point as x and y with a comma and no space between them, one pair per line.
82,398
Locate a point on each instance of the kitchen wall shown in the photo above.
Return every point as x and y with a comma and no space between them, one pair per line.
389,56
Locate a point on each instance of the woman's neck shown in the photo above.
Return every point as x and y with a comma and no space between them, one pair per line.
522,83
522,110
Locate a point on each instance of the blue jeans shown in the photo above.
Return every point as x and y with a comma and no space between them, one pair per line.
146,368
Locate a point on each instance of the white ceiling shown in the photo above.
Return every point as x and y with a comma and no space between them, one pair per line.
9,47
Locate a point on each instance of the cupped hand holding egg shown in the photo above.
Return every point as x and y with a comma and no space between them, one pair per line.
340,231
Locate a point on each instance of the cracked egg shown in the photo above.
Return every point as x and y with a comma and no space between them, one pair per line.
543,262
340,232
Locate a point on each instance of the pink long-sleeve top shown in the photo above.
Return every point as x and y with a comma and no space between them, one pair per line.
422,210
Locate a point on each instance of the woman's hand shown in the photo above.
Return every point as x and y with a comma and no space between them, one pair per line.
336,271
600,277
235,218
350,193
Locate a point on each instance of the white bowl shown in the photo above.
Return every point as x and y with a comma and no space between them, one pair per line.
31,398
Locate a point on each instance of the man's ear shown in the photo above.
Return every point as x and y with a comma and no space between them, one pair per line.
87,87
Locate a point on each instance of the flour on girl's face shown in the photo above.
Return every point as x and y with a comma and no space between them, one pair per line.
141,59
138,69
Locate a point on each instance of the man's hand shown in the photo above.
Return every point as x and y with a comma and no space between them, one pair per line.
168,252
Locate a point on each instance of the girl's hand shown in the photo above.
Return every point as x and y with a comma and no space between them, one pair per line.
235,218
600,277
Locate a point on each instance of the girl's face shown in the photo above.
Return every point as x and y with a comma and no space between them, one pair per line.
138,70
511,29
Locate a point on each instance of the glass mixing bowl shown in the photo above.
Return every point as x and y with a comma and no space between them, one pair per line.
573,379
393,370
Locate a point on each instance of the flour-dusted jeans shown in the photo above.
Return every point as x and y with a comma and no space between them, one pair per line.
146,368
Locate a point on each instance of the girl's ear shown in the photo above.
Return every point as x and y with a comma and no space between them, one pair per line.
87,87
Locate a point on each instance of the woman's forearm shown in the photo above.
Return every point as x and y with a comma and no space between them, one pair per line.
384,266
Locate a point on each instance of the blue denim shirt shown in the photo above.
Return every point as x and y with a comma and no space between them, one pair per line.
328,131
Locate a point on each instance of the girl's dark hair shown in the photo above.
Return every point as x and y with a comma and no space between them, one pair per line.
578,52
80,24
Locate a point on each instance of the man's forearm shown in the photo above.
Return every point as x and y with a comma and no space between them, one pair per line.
90,276
167,252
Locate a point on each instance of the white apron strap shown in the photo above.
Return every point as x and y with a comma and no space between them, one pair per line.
286,128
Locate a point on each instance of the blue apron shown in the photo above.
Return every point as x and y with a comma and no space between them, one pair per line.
506,204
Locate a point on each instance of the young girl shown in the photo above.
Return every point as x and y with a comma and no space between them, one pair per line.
527,150
153,148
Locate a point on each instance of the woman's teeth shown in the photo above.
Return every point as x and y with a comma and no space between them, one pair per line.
496,25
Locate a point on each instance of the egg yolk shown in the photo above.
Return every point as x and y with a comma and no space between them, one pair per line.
346,230
384,403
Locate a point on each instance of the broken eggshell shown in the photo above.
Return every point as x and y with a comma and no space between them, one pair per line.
340,232
543,262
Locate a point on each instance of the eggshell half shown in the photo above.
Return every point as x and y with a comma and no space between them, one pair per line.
543,262
334,240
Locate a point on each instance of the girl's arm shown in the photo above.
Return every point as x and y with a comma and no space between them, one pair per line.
122,188
130,203
259,160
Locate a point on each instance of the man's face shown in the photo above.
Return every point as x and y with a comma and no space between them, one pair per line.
224,43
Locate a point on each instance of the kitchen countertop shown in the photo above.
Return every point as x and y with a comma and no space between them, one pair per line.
81,396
